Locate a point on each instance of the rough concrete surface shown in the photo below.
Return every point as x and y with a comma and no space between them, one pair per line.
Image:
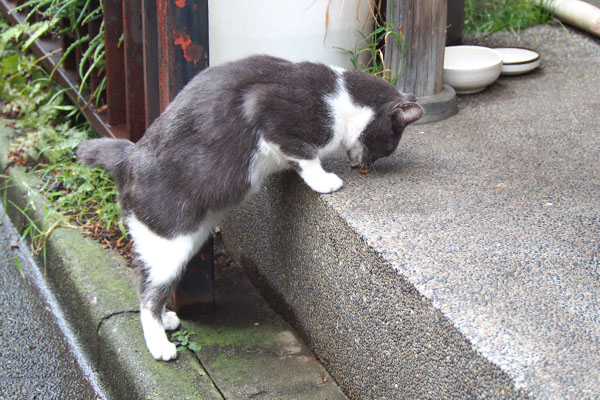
467,264
39,355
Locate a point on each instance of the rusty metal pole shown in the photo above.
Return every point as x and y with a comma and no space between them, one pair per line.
183,36
183,52
115,73
135,99
151,60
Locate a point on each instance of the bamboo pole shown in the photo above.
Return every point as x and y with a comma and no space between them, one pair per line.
578,13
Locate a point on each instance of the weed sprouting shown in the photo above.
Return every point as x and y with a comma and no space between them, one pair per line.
182,340
17,263
367,55
372,45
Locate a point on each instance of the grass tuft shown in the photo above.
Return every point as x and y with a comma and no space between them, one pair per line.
488,16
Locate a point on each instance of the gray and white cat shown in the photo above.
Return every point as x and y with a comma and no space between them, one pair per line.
217,141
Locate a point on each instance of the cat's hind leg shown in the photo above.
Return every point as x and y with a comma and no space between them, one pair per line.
160,262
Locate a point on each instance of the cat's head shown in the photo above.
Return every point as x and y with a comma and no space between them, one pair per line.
382,135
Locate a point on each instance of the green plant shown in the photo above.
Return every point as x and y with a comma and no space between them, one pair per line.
19,267
17,263
70,17
182,339
36,235
368,54
487,16
49,129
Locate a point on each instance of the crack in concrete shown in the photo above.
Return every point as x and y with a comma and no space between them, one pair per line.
212,381
109,316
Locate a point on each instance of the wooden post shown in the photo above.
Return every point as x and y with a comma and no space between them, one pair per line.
422,25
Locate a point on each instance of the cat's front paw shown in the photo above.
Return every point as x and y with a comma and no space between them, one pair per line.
162,349
326,183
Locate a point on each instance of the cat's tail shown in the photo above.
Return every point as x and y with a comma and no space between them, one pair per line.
104,153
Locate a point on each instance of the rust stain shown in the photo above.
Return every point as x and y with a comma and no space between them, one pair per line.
194,53
182,39
180,3
191,51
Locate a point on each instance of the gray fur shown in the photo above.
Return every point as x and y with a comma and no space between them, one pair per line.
104,153
196,157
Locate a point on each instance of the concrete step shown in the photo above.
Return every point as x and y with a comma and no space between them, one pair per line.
468,264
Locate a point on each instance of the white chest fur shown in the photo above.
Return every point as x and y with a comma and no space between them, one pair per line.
349,119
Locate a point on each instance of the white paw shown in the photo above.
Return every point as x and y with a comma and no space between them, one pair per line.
162,349
155,336
170,321
326,183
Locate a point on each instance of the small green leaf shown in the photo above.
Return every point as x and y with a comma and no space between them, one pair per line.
194,346
9,65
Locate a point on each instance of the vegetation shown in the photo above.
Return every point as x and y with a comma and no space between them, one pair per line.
368,54
487,16
69,18
182,340
49,129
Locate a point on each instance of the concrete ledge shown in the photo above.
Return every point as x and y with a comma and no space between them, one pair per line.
377,335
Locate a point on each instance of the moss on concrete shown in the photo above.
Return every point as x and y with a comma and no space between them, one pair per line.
183,378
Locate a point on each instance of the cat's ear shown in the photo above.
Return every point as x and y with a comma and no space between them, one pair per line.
405,113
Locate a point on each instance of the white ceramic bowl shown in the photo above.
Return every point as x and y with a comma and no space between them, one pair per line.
518,60
470,69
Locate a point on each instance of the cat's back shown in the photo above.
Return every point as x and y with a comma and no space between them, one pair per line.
214,99
263,69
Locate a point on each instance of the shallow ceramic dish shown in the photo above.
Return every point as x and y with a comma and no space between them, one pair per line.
518,60
470,69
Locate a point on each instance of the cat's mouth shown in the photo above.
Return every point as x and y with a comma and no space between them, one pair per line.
355,156
359,160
